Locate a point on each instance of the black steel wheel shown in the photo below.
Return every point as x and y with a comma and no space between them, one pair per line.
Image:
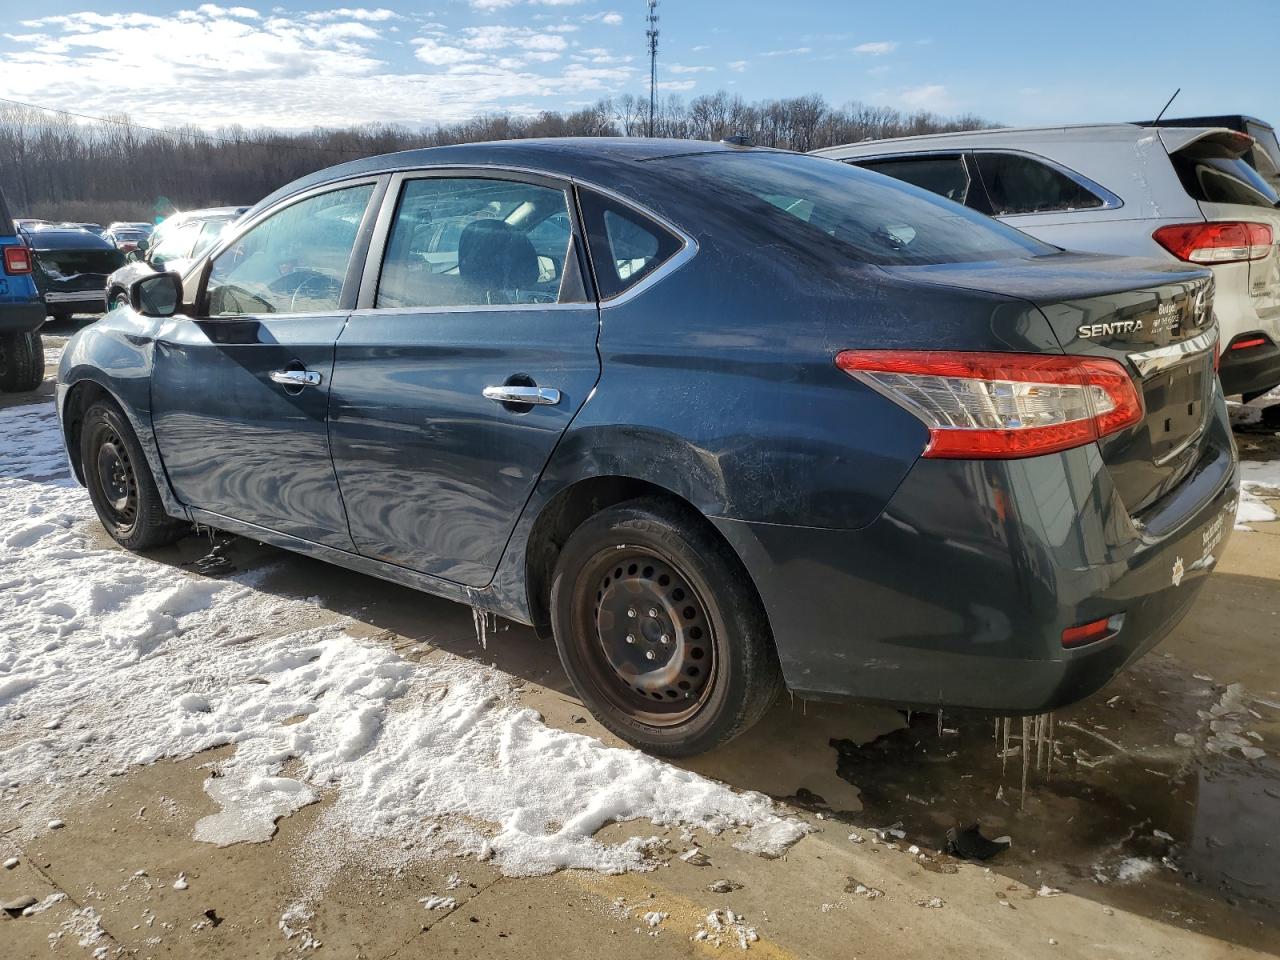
120,483
660,630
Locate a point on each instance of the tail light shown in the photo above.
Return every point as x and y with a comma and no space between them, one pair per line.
1092,632
1001,405
17,260
1249,342
1216,242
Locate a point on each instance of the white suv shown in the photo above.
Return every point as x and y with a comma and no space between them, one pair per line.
1167,192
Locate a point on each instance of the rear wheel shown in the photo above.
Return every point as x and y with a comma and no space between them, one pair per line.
660,631
120,484
21,361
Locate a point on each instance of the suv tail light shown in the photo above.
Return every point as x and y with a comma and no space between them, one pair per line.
1216,242
17,260
1001,405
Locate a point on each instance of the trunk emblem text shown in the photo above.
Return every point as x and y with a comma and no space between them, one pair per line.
1109,329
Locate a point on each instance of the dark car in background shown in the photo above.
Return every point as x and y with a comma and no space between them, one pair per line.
715,418
21,312
126,236
172,245
71,268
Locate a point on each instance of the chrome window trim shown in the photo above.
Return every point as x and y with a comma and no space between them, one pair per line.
1162,358
1110,201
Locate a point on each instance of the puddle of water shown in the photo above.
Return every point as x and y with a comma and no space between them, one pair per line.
1124,813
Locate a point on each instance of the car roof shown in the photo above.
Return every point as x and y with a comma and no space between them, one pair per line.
568,157
1010,136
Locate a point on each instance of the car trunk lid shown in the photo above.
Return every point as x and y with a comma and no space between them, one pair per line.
68,270
1155,319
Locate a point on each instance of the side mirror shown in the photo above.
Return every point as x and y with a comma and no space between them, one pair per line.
157,295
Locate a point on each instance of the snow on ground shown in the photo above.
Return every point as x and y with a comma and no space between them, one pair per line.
109,660
1259,481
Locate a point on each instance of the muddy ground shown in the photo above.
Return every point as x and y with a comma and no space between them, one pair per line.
1136,835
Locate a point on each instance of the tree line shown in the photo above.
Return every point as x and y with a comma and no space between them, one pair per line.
56,167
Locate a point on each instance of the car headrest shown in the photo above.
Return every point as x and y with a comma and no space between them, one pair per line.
496,256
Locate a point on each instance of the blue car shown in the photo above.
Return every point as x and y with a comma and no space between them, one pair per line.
716,419
21,312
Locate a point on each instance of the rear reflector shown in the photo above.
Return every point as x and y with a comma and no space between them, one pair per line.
1250,342
1001,405
1215,242
1092,632
17,260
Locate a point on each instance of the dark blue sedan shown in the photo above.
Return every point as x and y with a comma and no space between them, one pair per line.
717,419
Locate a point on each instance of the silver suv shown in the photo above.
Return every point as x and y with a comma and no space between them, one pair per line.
1181,193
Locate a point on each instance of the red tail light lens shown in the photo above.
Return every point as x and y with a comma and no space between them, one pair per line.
1250,342
1001,405
17,260
1216,242
1092,632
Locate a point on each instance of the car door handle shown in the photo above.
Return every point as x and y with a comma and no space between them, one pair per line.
517,394
296,378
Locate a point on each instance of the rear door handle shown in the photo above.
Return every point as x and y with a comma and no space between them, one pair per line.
296,378
516,394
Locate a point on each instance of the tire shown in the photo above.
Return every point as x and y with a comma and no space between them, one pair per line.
699,666
21,361
1271,415
120,483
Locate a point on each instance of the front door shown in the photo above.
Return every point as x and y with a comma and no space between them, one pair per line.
240,393
474,348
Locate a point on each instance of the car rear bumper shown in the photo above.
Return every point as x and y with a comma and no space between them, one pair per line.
1251,370
21,317
958,594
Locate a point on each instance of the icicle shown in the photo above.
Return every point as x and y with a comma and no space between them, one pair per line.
481,620
939,722
1048,770
1026,759
997,733
1004,753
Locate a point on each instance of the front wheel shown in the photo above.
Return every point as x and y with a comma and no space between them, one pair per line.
660,630
21,361
120,483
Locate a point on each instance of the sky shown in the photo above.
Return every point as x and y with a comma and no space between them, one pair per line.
306,62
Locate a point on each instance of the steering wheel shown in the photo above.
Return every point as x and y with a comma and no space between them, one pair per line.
302,280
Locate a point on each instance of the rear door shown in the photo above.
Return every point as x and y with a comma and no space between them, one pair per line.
240,390
473,347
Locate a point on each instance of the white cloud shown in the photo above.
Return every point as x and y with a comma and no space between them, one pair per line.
354,13
493,4
932,96
294,70
877,48
790,52
737,66
555,3
440,55
682,68
700,47
676,84
611,18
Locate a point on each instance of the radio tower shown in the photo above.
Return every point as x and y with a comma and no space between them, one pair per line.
652,34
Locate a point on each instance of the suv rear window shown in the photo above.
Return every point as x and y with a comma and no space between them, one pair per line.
1019,184
1211,173
873,218
944,175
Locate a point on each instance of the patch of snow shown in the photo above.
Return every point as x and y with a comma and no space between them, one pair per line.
181,882
654,918
1135,868
43,905
723,927
295,923
1259,480
438,903
142,661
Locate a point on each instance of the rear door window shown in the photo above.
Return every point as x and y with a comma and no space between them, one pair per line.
626,246
945,174
174,243
1212,173
1021,184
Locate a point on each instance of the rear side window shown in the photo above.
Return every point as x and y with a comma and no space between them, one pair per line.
626,246
946,176
1018,184
1212,173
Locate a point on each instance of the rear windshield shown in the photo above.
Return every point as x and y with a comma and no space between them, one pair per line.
1212,173
875,218
67,240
